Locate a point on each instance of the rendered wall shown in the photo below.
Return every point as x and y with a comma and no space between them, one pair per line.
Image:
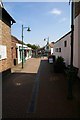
76,57
65,51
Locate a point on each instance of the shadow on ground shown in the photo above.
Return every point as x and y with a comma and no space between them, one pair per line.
52,98
45,93
16,94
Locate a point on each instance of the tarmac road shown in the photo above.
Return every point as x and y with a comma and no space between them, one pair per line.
38,92
17,89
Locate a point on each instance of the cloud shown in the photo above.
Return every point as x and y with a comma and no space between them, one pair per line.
55,11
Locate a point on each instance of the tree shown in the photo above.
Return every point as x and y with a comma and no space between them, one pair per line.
29,45
34,47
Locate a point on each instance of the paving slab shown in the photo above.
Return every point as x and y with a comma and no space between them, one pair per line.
30,66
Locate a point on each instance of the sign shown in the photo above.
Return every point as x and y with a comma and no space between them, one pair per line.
24,48
3,52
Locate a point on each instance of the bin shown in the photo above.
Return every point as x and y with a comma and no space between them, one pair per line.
51,58
15,62
54,58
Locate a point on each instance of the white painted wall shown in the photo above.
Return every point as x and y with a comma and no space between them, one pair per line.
76,57
3,52
27,56
19,60
51,51
79,44
65,51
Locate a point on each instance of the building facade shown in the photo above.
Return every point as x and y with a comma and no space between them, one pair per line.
27,52
76,47
62,47
16,51
5,40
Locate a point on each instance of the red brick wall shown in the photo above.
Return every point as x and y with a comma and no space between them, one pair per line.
13,48
6,40
0,42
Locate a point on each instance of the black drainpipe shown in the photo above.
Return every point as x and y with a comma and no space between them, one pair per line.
72,31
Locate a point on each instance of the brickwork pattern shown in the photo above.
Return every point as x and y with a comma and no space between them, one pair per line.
6,40
13,49
0,43
14,40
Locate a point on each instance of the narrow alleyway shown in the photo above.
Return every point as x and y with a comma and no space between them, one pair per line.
52,98
17,89
38,93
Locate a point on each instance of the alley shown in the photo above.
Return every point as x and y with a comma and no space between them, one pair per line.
52,98
17,89
38,92
31,36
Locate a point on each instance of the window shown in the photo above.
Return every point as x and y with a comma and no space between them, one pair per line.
59,49
56,50
65,43
3,52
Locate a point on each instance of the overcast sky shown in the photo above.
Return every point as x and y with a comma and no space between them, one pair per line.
46,19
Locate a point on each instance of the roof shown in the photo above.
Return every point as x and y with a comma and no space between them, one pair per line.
63,37
16,39
19,41
5,17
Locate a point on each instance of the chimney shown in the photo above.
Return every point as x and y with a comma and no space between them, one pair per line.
1,4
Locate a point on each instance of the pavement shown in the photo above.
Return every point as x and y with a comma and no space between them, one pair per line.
37,92
30,66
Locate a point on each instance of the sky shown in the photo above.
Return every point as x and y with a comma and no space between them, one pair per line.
46,19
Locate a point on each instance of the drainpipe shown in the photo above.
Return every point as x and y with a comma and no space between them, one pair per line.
72,31
70,71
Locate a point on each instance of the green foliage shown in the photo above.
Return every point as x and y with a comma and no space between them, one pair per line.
34,47
29,45
60,59
59,65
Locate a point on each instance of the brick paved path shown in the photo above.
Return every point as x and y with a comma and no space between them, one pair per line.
30,66
42,95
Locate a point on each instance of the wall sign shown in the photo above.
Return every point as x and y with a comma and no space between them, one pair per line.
3,52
